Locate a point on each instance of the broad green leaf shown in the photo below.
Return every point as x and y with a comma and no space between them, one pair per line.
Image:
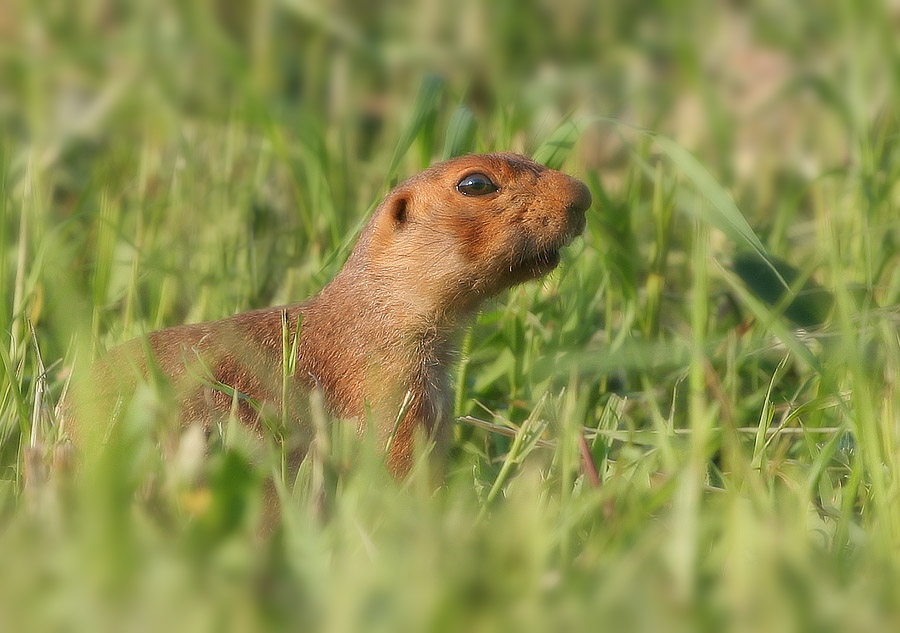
805,302
773,325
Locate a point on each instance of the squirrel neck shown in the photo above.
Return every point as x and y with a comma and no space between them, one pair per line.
397,305
367,342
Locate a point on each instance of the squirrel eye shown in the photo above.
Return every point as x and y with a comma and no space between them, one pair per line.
476,185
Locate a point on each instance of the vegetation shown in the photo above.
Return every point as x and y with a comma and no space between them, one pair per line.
164,162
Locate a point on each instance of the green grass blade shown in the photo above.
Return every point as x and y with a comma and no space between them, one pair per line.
424,109
722,212
554,151
460,133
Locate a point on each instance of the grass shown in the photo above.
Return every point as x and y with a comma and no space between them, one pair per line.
163,163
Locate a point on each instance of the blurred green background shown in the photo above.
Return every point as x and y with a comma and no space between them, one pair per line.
164,162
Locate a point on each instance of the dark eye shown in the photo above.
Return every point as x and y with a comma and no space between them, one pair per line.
476,185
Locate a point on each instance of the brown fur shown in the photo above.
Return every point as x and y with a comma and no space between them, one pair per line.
389,322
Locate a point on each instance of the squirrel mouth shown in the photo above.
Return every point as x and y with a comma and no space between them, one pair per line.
541,261
544,262
539,264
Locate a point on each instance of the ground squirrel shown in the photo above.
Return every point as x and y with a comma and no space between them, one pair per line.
386,329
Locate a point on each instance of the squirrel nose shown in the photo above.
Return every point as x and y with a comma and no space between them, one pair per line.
580,197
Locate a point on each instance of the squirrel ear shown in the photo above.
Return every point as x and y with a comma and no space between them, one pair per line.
397,211
393,215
